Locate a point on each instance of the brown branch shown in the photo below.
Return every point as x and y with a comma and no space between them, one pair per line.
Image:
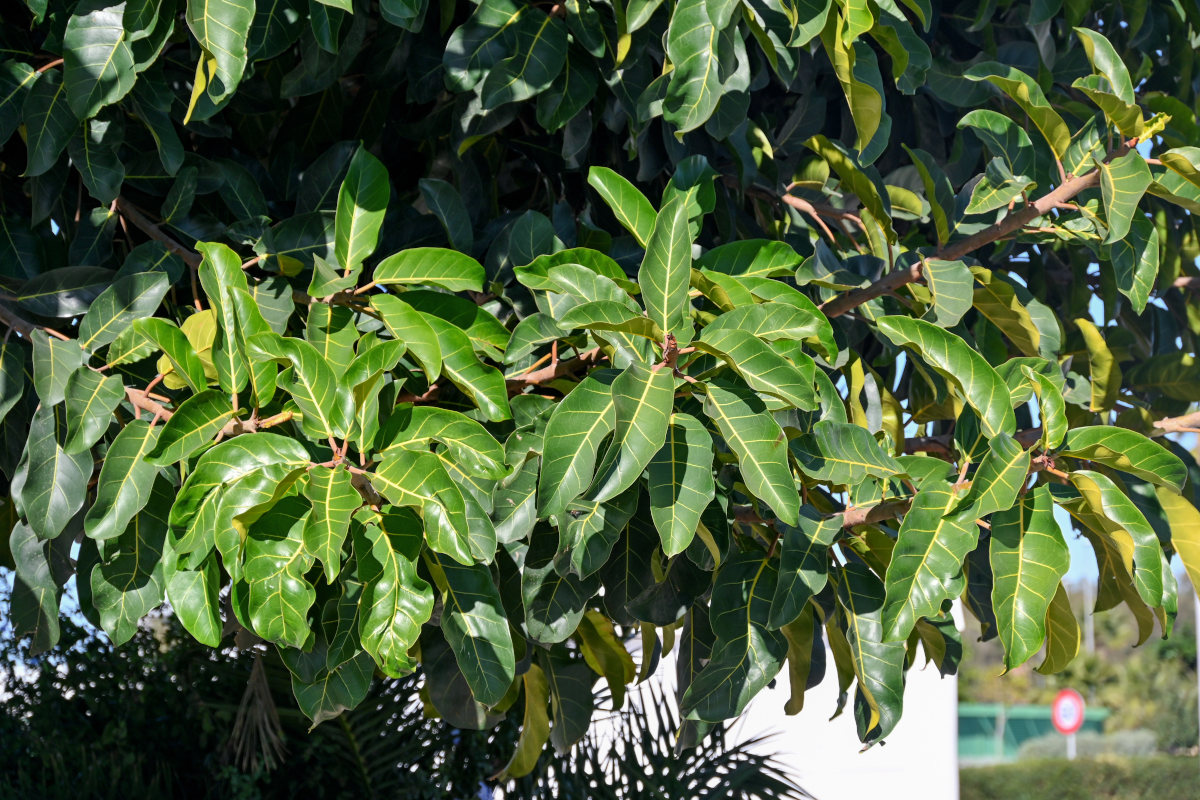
1188,423
25,327
870,515
151,229
554,371
953,251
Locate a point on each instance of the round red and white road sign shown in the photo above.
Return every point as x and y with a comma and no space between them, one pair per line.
1067,712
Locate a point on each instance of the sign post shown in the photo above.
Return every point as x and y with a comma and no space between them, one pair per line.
1067,716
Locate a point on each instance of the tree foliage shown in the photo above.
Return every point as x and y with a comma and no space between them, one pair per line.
488,336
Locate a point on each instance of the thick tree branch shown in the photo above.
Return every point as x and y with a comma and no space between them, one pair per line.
554,371
151,229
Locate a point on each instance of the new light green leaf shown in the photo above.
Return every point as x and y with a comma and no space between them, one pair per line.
642,401
435,266
1128,451
362,202
165,336
761,448
1029,557
666,272
1052,407
1122,523
926,565
680,482
476,627
976,381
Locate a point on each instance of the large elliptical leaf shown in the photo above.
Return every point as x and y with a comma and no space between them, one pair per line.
221,28
50,485
334,499
395,601
362,201
572,440
878,661
98,67
666,272
642,399
680,482
1029,557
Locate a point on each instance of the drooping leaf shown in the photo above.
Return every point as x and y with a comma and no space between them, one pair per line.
680,482
193,425
878,661
1128,451
803,566
434,266
334,499
395,600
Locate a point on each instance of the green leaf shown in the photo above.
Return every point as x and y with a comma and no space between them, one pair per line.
51,484
763,369
589,531
132,583
171,341
16,79
395,601
952,287
1122,524
468,443
571,701
474,624
535,724
1052,407
680,482
49,122
35,593
628,205
129,298
1184,520
751,258
68,291
864,183
554,604
863,95
13,358
878,661
609,315
772,321
447,205
330,329
126,477
98,67
746,655
482,383
1029,557
843,454
93,151
666,272
1135,261
572,441
418,480
193,425
642,400
1123,181
997,188
276,562
1062,634
1106,62
761,448
939,193
409,326
998,480
695,84
951,357
1128,451
1003,137
334,499
803,565
91,399
313,384
221,28
1105,371
1024,91
195,599
435,266
997,300
539,54
605,653
926,565
362,202
54,362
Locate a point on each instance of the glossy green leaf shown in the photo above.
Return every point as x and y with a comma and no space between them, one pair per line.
326,408
680,482
361,204
762,367
1024,91
1135,262
1052,407
535,724
395,600
170,340
221,28
926,564
695,84
475,626
1029,557
333,499
194,596
803,565
35,595
1128,451
572,441
54,362
1123,181
418,480
49,122
435,266
129,298
1123,524
482,383
963,366
51,485
878,660
410,327
952,287
628,205
843,454
276,562
539,53
999,479
1062,634
642,398
665,275
760,446
91,399
193,425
